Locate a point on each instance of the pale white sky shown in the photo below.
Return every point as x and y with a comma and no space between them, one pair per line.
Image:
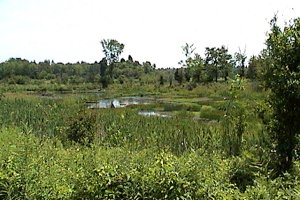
154,30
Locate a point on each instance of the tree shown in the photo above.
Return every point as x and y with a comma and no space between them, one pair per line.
256,65
211,62
252,68
225,62
218,62
104,77
193,64
179,76
130,59
240,59
112,49
196,69
187,74
282,77
188,50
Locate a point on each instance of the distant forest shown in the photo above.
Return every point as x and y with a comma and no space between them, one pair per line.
217,65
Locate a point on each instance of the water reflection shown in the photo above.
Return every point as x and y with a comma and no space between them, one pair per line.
120,102
153,113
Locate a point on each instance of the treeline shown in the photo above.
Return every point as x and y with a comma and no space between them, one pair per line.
217,65
21,71
196,70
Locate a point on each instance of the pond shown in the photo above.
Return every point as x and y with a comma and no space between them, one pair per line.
153,113
120,102
161,109
127,101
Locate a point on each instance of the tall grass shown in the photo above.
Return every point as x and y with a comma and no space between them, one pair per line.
121,127
132,156
42,168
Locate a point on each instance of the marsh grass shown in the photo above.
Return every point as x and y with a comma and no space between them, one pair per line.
34,167
133,156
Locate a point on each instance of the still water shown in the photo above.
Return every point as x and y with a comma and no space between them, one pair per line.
120,102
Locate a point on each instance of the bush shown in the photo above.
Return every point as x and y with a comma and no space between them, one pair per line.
234,120
82,127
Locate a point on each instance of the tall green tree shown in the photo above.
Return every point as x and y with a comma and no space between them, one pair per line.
218,62
257,65
188,51
211,63
112,49
193,64
196,69
104,76
226,62
240,59
282,77
252,68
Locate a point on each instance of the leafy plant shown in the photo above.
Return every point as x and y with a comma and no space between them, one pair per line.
282,78
82,127
241,173
234,122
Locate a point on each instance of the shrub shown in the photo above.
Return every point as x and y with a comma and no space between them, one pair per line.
82,127
234,121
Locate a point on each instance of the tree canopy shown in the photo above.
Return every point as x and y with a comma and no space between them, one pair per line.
112,49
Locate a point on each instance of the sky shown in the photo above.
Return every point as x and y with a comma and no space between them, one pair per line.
151,30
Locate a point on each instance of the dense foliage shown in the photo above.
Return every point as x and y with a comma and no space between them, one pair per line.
283,78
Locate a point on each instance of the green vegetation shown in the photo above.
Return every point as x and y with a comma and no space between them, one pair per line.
213,132
282,77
